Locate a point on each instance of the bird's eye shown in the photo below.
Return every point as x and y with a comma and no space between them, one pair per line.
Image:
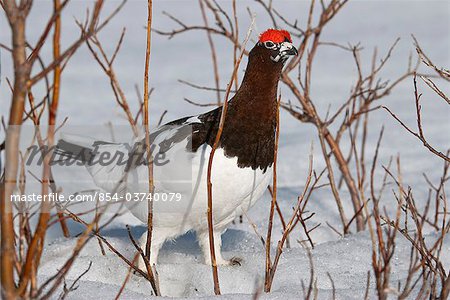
269,45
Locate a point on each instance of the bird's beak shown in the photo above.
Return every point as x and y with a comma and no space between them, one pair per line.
288,49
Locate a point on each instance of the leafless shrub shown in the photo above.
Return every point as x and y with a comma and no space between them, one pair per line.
426,267
272,267
354,111
19,269
442,74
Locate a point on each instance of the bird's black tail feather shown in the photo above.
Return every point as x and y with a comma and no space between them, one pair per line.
73,151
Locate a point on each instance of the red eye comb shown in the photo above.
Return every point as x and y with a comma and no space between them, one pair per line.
274,35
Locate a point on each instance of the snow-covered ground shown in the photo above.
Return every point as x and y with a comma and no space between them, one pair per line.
182,273
89,103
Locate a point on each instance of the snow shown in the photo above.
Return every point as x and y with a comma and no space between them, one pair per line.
181,272
88,102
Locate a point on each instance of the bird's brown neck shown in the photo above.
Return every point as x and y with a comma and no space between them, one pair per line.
257,95
249,131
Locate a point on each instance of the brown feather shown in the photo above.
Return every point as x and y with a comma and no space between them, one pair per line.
249,130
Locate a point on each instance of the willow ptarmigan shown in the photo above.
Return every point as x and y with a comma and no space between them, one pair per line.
241,169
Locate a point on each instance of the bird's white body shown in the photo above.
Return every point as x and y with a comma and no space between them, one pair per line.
180,198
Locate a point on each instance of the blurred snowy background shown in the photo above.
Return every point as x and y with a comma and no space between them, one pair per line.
87,100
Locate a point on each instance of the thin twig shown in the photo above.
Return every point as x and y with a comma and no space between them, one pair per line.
211,157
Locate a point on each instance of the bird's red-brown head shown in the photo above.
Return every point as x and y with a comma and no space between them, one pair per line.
265,63
278,43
